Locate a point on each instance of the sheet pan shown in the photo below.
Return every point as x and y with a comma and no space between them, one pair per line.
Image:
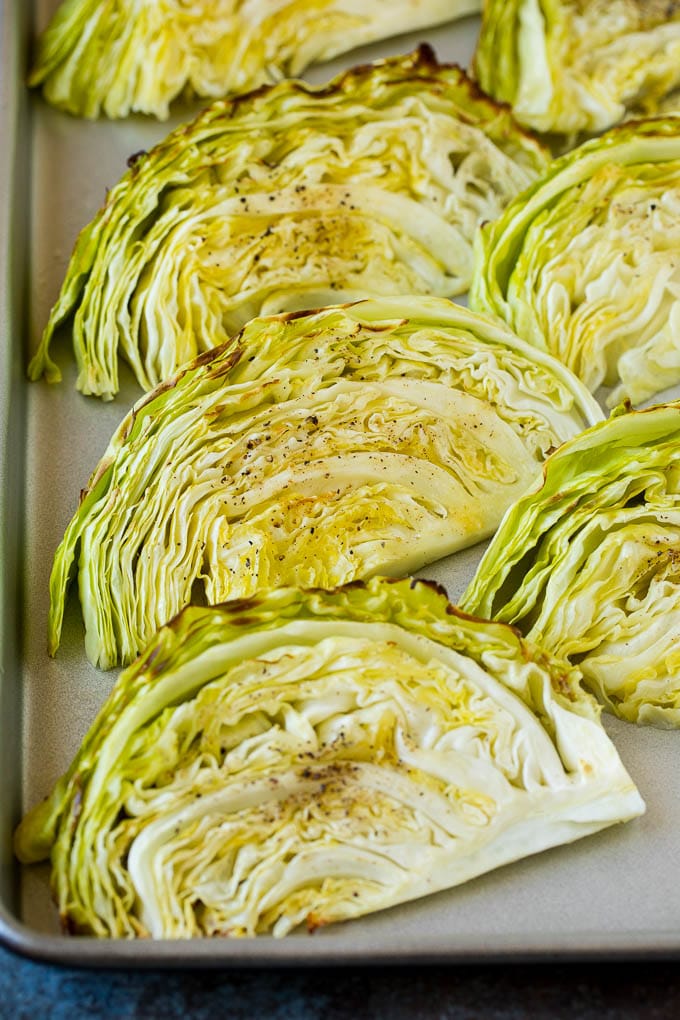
612,894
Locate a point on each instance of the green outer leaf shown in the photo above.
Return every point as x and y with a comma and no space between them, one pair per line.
495,61
560,778
285,198
620,479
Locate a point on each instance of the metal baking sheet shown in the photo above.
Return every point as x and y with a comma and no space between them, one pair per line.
611,894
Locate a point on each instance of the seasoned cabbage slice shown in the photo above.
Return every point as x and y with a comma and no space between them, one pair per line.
308,757
288,198
313,449
571,66
117,57
588,564
585,263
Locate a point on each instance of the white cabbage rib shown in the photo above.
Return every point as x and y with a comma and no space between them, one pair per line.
587,565
569,66
305,758
318,448
285,199
125,56
586,264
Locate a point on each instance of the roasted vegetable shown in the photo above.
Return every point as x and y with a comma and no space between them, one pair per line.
571,66
118,57
588,564
308,757
314,449
586,264
289,198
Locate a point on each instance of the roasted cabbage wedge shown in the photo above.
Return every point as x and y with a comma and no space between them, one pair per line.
308,757
588,564
573,66
585,263
291,197
117,57
314,449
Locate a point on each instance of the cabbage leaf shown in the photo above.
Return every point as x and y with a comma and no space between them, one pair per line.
588,564
315,449
309,757
288,198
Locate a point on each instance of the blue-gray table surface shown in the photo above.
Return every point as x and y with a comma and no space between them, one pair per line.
606,991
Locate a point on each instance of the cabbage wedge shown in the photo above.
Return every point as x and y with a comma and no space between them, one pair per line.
308,757
288,198
573,66
588,564
585,263
125,56
316,448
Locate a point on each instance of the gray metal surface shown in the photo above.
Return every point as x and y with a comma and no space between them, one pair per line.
612,894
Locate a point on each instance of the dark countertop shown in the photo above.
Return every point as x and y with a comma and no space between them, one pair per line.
601,991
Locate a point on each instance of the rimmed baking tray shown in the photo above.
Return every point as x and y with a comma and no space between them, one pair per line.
611,895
